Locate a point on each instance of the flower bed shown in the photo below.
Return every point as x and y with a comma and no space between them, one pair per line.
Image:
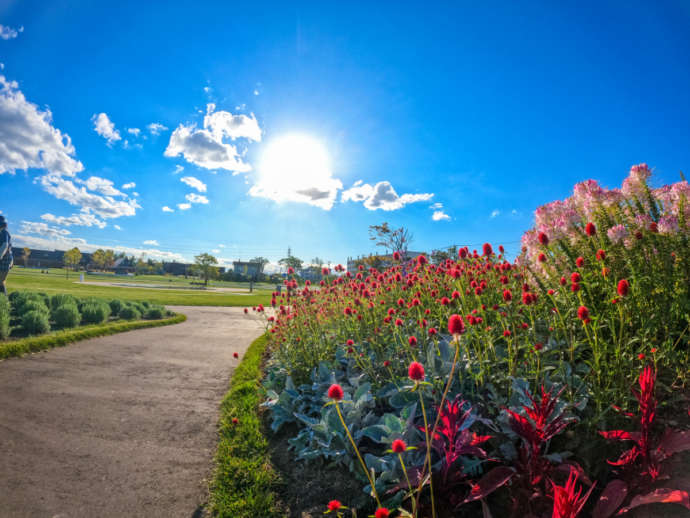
509,382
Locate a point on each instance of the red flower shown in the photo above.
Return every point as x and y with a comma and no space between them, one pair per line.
462,253
416,371
235,355
421,260
399,446
653,227
246,311
574,287
456,325
575,277
538,346
640,356
623,287
335,392
235,420
350,342
582,313
507,295
541,258
432,331
550,292
291,270
382,512
562,281
398,322
487,250
506,333
386,363
325,271
601,255
566,502
397,256
580,262
412,341
590,229
543,238
334,505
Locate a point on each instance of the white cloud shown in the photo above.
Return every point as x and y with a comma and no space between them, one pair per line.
155,128
184,206
167,209
117,227
256,92
134,131
221,246
207,147
101,185
83,219
43,229
495,213
103,206
196,198
381,196
152,242
194,183
130,185
178,169
27,138
439,215
105,128
8,33
436,206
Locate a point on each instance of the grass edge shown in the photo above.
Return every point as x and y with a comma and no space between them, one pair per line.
61,338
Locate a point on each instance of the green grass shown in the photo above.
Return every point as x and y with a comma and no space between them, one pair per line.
55,282
61,338
244,481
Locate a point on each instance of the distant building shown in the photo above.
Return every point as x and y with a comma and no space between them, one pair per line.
175,268
246,268
384,260
39,258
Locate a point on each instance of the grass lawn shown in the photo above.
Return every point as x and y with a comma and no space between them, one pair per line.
55,282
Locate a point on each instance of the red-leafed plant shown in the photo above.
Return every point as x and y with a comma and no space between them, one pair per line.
641,467
542,421
566,502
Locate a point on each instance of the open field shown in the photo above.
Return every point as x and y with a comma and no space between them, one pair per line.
183,292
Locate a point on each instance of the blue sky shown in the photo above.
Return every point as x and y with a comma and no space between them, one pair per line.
301,124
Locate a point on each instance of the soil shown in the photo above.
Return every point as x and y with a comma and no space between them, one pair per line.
117,426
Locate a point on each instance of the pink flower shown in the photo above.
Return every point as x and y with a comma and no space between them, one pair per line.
617,234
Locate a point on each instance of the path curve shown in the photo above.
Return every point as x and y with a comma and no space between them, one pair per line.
122,425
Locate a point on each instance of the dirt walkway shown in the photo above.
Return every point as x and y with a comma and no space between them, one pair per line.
123,425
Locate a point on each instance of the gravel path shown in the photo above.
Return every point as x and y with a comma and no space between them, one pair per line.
123,425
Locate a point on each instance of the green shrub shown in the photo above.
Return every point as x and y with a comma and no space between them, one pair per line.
61,299
155,313
19,298
66,316
129,313
115,306
36,322
33,305
95,312
4,317
145,303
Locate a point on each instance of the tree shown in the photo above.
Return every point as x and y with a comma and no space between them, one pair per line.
317,261
392,240
98,258
109,259
205,265
26,252
71,258
262,262
291,262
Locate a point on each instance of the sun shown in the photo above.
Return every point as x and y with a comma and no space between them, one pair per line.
293,162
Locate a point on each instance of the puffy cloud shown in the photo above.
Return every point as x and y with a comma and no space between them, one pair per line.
27,138
62,242
207,147
8,33
184,206
178,169
117,227
381,196
196,198
156,128
130,185
194,183
83,219
134,131
103,206
436,206
152,242
495,213
101,185
43,229
167,209
105,128
439,215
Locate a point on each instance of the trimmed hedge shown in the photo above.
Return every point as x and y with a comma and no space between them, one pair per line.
5,310
61,338
154,313
95,312
244,481
35,322
66,316
61,299
129,313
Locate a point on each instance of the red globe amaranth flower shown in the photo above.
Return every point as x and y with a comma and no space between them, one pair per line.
398,322
334,505
550,292
398,446
653,227
421,260
386,363
574,287
653,350
382,512
456,325
590,229
582,312
623,287
575,277
506,333
580,262
543,238
235,355
416,371
507,295
291,270
412,341
641,356
235,420
350,342
563,281
335,392
397,256
541,257
601,255
487,250
246,311
462,253
538,346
